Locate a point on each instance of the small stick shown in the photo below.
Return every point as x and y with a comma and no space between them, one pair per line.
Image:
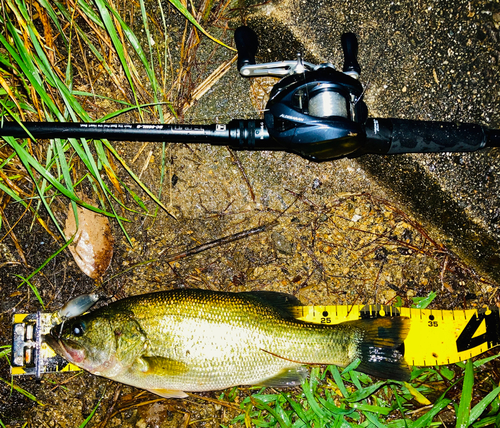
237,162
211,400
218,242
109,412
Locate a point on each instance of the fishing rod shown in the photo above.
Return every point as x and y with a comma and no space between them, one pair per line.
314,111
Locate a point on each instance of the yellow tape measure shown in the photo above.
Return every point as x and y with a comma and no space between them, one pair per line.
30,355
436,337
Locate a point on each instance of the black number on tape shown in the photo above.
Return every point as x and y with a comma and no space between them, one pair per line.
468,338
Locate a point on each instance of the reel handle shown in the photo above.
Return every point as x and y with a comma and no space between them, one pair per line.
350,48
247,44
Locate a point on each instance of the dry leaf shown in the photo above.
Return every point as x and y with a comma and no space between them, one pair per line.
92,247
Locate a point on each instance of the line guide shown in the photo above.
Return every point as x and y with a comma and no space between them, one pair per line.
436,337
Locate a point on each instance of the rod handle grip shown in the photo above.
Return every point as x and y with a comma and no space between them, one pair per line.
395,136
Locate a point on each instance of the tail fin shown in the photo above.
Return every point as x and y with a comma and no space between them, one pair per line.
382,348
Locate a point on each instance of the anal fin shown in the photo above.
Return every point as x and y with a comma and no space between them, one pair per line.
287,377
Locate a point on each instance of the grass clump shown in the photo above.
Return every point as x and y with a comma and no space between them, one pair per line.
333,398
64,62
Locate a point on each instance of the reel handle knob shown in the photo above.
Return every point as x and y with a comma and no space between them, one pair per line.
247,44
350,48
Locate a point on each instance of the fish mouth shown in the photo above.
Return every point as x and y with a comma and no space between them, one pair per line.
66,348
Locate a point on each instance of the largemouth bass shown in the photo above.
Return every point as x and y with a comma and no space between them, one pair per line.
199,340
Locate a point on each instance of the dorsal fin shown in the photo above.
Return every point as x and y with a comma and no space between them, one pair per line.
284,302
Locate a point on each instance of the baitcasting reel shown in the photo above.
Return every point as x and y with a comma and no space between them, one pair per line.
314,111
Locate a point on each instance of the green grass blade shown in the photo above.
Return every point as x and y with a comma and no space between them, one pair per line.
132,174
365,392
22,391
33,288
374,420
127,109
363,407
257,402
104,97
13,195
92,413
490,421
5,350
68,16
53,16
25,162
330,405
423,302
466,397
297,408
283,416
425,420
182,9
338,380
28,160
355,378
479,363
151,74
32,274
141,54
90,13
120,51
66,174
27,67
400,406
480,407
313,404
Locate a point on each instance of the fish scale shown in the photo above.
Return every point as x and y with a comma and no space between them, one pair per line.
200,340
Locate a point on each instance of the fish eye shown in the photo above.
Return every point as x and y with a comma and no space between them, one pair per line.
78,329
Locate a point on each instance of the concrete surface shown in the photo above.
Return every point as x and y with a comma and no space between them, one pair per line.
424,60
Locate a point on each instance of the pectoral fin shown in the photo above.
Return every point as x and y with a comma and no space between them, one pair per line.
161,366
168,393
